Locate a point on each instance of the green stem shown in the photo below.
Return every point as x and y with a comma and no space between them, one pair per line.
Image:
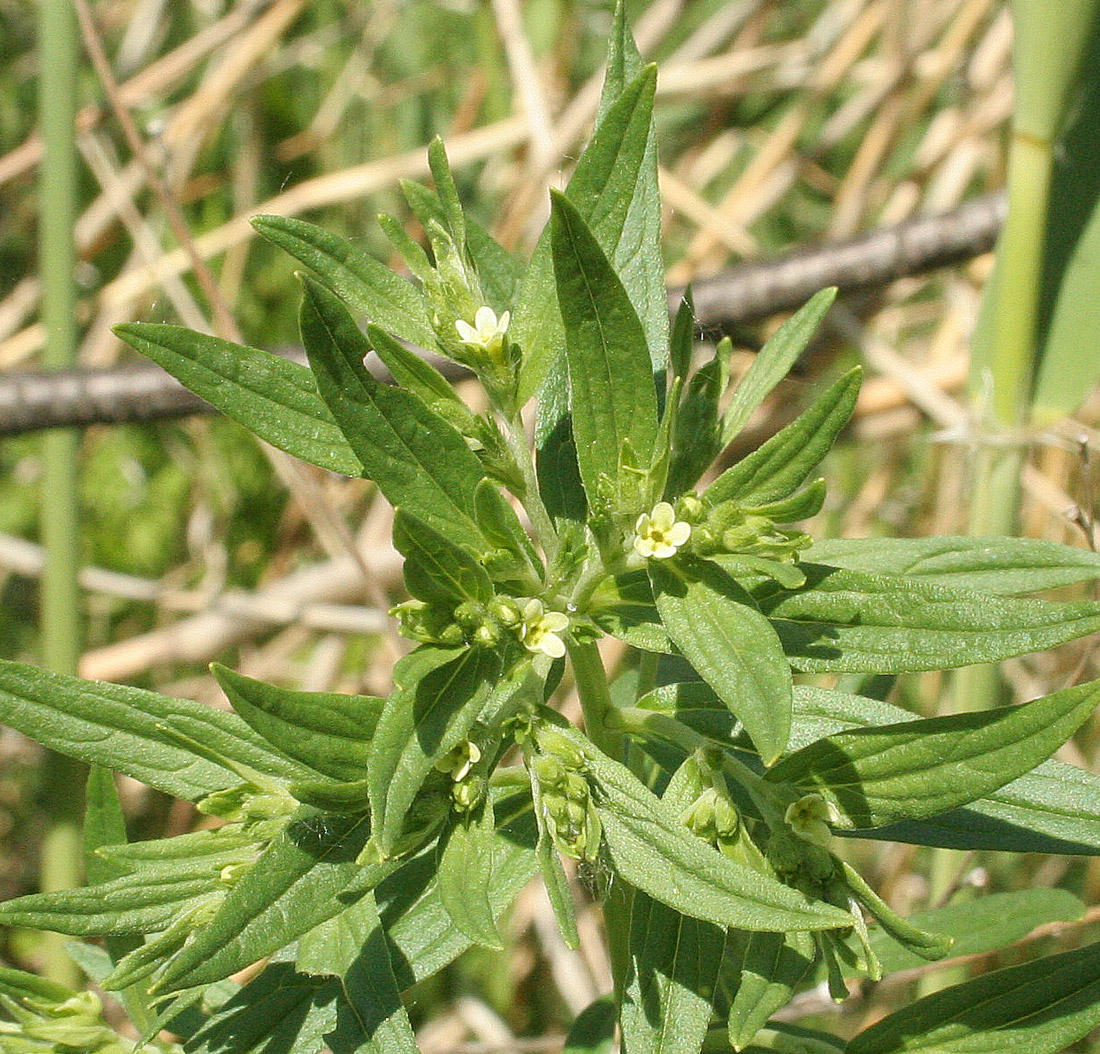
649,723
516,438
63,778
599,719
1020,259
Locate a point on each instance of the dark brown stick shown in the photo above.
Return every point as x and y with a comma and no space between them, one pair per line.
30,401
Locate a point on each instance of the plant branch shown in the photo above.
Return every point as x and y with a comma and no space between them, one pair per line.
142,391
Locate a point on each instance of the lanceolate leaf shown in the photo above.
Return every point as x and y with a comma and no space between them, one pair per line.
611,381
328,731
414,456
655,852
436,568
763,970
294,885
466,873
371,1017
1039,1007
411,372
384,298
128,730
674,961
1055,808
851,621
440,694
982,924
1005,566
614,191
875,776
782,464
773,362
136,903
731,645
278,1010
272,397
419,926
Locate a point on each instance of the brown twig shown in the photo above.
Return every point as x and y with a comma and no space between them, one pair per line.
140,392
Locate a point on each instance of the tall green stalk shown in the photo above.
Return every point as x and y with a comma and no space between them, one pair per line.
595,696
63,778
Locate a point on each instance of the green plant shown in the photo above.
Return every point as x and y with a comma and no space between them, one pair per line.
368,842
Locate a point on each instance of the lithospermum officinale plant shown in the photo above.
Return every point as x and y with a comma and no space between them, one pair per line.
368,842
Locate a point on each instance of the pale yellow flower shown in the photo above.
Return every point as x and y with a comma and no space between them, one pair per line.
658,534
460,760
487,332
541,628
810,817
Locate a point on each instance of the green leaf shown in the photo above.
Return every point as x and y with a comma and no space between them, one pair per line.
277,1010
129,730
851,621
614,188
370,287
623,606
764,970
696,442
781,1037
138,903
656,853
732,646
104,823
436,568
593,1031
554,878
982,924
782,464
418,924
447,192
773,362
674,962
295,884
410,371
1055,808
624,62
682,339
1039,1007
498,271
465,876
612,396
371,1019
273,398
328,731
440,693
210,849
913,769
502,528
1004,566
414,456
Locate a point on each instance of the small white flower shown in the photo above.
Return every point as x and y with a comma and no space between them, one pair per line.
658,534
541,628
460,760
487,332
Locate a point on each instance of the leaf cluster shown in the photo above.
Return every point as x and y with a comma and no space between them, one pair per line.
365,843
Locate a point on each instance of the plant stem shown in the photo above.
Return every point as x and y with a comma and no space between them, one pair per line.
599,719
516,438
63,778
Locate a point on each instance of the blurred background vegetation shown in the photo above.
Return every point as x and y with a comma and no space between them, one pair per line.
782,123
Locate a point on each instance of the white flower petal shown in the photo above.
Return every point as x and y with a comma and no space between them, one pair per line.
679,533
552,646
